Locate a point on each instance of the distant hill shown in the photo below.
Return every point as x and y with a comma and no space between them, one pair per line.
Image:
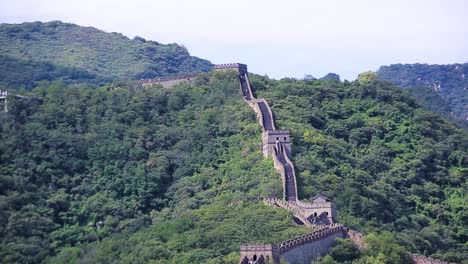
441,88
90,51
24,73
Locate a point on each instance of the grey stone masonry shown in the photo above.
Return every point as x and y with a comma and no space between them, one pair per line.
168,82
301,249
242,68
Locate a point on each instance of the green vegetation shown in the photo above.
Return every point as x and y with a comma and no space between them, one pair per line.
26,74
380,249
87,164
54,46
440,88
173,176
120,174
388,164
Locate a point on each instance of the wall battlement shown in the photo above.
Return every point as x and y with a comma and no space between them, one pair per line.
167,82
313,236
295,250
242,68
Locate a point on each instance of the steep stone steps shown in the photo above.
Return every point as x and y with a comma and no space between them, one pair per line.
267,119
291,193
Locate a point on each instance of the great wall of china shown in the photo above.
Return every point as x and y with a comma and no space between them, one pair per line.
320,214
167,82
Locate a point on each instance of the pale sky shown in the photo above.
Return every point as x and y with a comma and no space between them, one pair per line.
277,38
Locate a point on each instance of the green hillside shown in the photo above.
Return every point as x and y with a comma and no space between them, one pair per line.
174,176
440,88
106,55
99,172
26,74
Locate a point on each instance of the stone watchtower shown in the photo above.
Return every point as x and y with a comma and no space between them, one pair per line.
276,139
259,254
320,210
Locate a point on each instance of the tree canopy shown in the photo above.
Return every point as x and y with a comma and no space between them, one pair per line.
122,174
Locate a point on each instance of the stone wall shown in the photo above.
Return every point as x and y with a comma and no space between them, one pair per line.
242,68
168,82
304,254
301,249
315,209
254,252
418,259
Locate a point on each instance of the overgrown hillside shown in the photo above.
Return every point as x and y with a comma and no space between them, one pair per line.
440,88
79,165
26,74
387,163
173,176
106,55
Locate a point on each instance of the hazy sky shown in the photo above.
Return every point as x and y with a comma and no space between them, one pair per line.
278,38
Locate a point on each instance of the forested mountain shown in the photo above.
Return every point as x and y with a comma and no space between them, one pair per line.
133,175
56,46
116,173
26,74
440,88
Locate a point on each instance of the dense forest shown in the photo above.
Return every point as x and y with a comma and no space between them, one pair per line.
95,52
440,88
97,169
125,174
23,74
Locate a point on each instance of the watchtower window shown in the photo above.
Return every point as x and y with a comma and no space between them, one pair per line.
277,138
254,258
284,138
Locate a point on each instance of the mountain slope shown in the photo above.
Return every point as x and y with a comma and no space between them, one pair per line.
174,176
441,88
387,163
107,55
21,73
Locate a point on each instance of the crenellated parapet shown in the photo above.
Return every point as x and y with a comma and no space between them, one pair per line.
317,235
242,68
169,81
300,249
